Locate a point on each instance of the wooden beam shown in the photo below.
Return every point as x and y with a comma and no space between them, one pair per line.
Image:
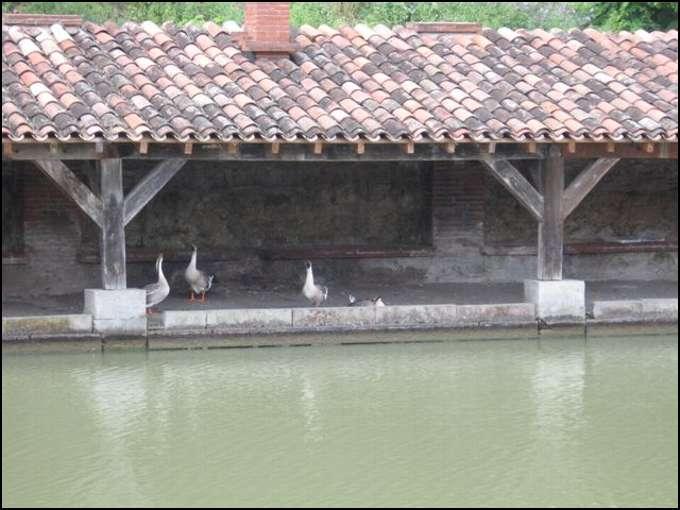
550,229
516,184
409,147
667,150
143,147
7,149
361,147
276,147
584,183
258,151
149,186
571,147
491,148
318,147
188,148
113,270
531,148
451,148
69,183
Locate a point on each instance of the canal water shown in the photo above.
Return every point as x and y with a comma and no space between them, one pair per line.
563,422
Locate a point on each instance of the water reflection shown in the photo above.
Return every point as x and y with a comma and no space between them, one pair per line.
476,423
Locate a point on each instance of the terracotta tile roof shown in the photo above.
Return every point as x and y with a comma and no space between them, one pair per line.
141,80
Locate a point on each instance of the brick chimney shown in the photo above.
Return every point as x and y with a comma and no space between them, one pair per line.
267,29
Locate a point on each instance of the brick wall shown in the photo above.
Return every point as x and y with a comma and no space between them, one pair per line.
52,237
458,201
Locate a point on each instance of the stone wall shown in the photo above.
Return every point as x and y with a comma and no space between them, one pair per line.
455,212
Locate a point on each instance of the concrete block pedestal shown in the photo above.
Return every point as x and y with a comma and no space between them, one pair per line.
117,312
558,300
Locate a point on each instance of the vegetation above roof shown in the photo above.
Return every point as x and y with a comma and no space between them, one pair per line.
606,15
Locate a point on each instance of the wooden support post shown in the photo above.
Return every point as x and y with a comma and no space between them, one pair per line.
491,148
276,147
318,147
409,147
144,147
451,148
550,229
112,246
188,148
232,148
361,147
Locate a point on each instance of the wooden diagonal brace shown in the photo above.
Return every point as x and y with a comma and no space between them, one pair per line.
149,186
68,182
516,184
584,183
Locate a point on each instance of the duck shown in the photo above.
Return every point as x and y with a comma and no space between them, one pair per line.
314,293
199,281
352,301
158,291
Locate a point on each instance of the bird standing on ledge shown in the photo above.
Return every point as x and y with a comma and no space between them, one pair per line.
314,293
199,281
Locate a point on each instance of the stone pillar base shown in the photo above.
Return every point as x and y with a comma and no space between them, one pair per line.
117,312
560,300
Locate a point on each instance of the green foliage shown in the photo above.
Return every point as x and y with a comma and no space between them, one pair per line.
631,16
607,15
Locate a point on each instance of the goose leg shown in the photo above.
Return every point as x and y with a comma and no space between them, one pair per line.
203,296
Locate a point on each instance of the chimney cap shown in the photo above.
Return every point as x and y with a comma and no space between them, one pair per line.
30,19
446,27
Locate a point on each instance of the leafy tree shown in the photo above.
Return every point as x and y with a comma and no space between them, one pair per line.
631,15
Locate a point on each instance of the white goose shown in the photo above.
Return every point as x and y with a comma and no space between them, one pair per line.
157,292
199,281
315,293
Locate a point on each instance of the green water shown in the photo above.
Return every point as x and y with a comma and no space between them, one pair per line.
481,423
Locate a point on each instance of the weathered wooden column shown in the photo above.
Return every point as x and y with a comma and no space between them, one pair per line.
113,225
550,229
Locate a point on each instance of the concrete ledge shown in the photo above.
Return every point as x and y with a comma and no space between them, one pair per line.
267,319
344,317
660,310
623,309
46,326
115,304
416,315
191,319
121,327
636,311
501,314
